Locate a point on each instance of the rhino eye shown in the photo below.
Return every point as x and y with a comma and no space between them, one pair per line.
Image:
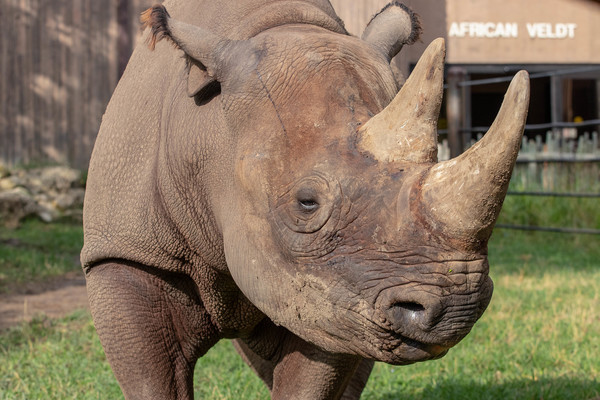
308,205
307,200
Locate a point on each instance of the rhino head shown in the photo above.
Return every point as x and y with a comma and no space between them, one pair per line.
338,221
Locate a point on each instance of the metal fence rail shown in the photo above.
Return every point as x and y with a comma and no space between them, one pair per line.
561,72
583,231
553,194
532,127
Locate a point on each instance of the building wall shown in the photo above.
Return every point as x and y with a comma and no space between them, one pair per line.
59,63
523,32
356,14
433,21
562,31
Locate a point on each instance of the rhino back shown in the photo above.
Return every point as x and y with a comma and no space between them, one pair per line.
242,19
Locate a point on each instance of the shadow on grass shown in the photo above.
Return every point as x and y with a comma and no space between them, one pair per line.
542,389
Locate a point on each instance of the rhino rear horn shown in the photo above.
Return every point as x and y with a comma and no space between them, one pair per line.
406,130
198,44
393,27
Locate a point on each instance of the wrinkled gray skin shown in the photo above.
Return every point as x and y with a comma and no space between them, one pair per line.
259,209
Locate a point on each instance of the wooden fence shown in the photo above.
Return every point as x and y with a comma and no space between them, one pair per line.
59,63
60,60
552,162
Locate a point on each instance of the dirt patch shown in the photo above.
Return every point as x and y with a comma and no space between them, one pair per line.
54,298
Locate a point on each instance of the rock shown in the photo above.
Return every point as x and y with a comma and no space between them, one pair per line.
16,204
67,200
50,193
34,184
4,172
7,184
46,214
60,178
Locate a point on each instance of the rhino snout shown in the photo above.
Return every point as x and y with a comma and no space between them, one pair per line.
436,320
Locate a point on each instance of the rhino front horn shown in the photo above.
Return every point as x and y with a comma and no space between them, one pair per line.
462,197
406,130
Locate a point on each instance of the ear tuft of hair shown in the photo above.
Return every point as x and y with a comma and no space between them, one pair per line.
156,18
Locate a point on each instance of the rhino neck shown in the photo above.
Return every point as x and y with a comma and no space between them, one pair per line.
243,19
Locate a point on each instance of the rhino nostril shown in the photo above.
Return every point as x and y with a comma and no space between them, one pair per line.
409,306
414,311
409,316
405,314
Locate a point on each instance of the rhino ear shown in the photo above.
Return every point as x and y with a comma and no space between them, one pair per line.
199,81
393,27
199,45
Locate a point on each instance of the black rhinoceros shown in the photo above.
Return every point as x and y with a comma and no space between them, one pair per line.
258,176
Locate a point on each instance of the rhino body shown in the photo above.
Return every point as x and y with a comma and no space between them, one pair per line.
257,176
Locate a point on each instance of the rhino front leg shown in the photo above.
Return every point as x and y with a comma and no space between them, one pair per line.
307,372
359,380
295,369
153,328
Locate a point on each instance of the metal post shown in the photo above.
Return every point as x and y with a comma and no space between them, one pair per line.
597,98
467,121
454,110
556,99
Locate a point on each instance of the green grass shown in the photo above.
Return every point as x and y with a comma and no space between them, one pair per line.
560,212
37,251
539,339
221,375
60,359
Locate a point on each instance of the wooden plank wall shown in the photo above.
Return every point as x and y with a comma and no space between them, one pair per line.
60,60
59,65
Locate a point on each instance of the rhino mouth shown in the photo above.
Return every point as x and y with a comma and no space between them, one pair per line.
414,328
399,349
410,351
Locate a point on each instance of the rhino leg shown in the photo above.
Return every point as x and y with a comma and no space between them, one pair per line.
261,367
359,380
153,328
295,369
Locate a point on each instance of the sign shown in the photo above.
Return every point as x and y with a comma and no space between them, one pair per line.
536,30
550,31
522,32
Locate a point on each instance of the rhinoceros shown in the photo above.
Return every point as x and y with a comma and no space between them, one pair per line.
259,176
